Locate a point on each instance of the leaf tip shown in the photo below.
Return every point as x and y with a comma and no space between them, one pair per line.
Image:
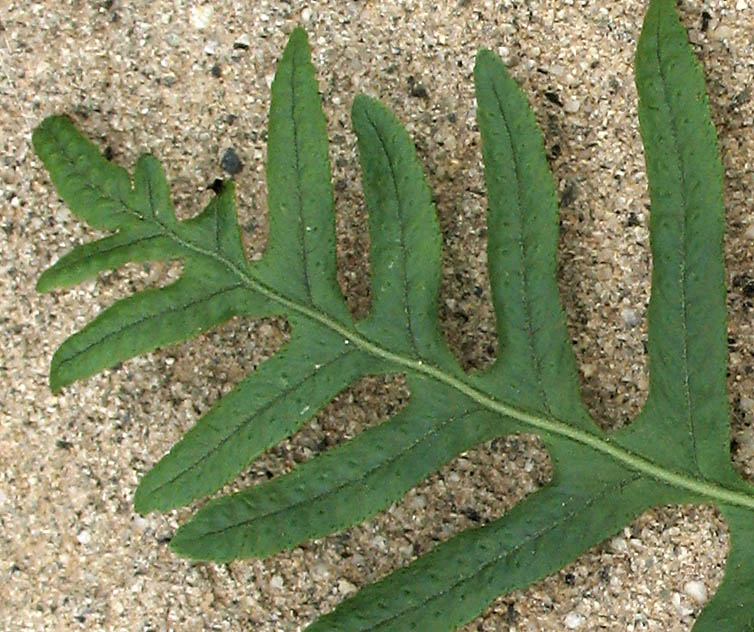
44,282
146,499
56,382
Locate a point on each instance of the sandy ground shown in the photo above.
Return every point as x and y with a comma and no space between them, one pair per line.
186,80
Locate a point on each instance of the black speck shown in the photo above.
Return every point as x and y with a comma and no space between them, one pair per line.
63,444
241,45
216,71
555,150
706,17
511,615
749,289
230,119
553,97
570,579
80,618
570,193
739,99
605,573
471,514
417,89
230,162
632,219
216,186
108,153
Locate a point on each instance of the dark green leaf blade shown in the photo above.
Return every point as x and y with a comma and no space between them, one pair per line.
213,287
93,188
535,366
731,609
214,235
152,193
405,234
148,320
267,406
343,486
145,243
455,581
300,256
688,402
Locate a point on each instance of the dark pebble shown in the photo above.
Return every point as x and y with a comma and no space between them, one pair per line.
230,162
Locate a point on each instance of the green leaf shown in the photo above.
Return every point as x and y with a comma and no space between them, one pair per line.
266,407
688,398
535,368
458,578
676,451
405,238
300,256
342,486
731,609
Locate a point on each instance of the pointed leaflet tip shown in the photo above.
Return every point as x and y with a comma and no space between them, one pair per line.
535,365
688,395
299,259
405,257
92,187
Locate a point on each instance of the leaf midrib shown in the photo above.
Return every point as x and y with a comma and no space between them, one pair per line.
507,552
554,426
712,491
688,412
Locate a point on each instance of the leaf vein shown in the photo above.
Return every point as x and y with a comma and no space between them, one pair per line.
508,552
361,475
282,394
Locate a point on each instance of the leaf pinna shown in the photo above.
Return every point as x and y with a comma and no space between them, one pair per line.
676,451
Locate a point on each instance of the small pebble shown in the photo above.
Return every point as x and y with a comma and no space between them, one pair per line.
680,608
722,32
242,42
696,590
276,583
345,587
418,502
571,105
630,316
320,571
230,162
573,620
201,16
84,537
